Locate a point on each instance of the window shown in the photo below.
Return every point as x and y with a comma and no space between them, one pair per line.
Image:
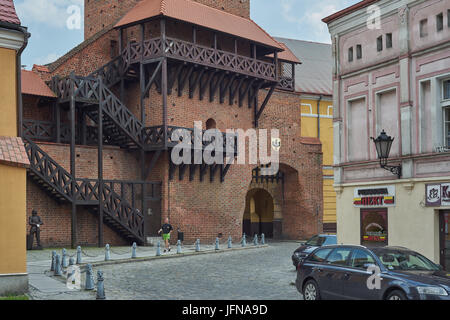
358,51
439,22
423,28
448,18
319,255
446,94
380,43
447,126
339,256
388,40
350,54
360,259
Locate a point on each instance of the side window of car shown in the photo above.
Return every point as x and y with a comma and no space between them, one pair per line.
339,256
319,256
360,259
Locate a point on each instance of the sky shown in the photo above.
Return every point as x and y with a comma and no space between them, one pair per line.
56,26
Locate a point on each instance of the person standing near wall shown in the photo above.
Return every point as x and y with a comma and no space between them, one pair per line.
166,230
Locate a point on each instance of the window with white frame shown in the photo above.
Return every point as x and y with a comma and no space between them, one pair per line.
446,111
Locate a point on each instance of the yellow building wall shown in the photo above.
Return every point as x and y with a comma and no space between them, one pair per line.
309,129
8,102
12,220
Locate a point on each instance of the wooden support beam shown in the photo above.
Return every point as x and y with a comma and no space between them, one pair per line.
172,168
203,168
194,80
192,169
182,79
243,93
100,167
204,84
223,171
152,164
153,78
182,169
252,95
235,90
174,77
72,166
164,99
212,171
226,87
214,86
263,106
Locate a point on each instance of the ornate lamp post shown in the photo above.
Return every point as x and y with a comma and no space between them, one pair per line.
383,145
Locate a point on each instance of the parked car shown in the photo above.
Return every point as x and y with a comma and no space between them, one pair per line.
350,272
309,246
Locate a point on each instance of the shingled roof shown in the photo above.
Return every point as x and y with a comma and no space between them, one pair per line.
199,14
12,152
8,12
314,75
33,84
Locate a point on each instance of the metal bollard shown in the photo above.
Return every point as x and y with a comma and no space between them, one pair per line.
78,255
100,286
52,267
107,253
71,261
57,265
64,258
263,239
230,242
244,241
255,240
217,244
89,285
133,251
197,245
158,248
179,246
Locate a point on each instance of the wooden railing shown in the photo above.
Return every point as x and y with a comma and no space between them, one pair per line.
195,53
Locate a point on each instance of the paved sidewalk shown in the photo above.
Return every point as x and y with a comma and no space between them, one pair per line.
43,285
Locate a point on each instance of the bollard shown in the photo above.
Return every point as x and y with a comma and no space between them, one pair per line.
71,261
179,246
133,251
255,240
244,241
57,265
100,286
107,253
89,285
158,248
230,242
64,258
217,244
52,267
263,239
78,255
197,245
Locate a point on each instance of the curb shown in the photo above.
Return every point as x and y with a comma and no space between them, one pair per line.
178,255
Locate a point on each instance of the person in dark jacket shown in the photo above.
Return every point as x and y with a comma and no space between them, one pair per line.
35,222
166,230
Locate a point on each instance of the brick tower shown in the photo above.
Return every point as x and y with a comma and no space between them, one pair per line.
147,69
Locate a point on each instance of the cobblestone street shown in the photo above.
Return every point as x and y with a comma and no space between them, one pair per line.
256,274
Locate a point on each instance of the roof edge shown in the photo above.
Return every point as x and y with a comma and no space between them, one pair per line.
348,10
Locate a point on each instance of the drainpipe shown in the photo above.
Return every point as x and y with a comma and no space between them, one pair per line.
318,116
26,35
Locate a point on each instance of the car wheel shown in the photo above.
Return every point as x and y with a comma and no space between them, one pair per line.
396,295
311,291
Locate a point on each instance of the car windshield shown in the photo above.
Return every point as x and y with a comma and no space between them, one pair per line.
315,241
404,260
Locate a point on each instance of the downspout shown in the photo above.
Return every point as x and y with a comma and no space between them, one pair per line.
26,35
318,116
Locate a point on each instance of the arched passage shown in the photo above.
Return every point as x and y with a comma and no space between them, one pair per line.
259,213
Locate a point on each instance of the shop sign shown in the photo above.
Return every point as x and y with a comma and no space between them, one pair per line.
437,195
383,196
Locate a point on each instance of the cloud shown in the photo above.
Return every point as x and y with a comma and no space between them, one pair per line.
51,57
46,12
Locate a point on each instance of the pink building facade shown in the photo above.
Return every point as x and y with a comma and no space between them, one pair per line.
391,72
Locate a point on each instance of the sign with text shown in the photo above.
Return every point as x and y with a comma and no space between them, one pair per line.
437,194
379,196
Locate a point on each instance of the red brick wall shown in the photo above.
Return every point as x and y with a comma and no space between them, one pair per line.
237,7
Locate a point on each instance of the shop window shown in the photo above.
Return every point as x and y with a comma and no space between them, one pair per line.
380,43
388,40
350,54
374,227
439,22
358,51
423,28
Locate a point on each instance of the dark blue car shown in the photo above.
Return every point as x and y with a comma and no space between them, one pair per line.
312,244
383,273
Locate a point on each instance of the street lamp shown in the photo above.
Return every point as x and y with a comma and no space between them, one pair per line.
383,145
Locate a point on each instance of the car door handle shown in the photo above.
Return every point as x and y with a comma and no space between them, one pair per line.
317,269
346,275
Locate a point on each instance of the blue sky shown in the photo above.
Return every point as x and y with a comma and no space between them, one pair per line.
51,37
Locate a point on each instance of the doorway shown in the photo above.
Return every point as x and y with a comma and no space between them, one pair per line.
444,238
258,215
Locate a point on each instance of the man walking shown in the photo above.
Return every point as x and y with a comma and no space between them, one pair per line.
35,222
166,230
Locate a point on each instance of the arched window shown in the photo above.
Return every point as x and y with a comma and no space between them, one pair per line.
210,124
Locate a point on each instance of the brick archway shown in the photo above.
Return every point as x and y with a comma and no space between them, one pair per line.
259,213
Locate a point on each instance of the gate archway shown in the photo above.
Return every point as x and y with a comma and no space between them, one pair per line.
259,213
